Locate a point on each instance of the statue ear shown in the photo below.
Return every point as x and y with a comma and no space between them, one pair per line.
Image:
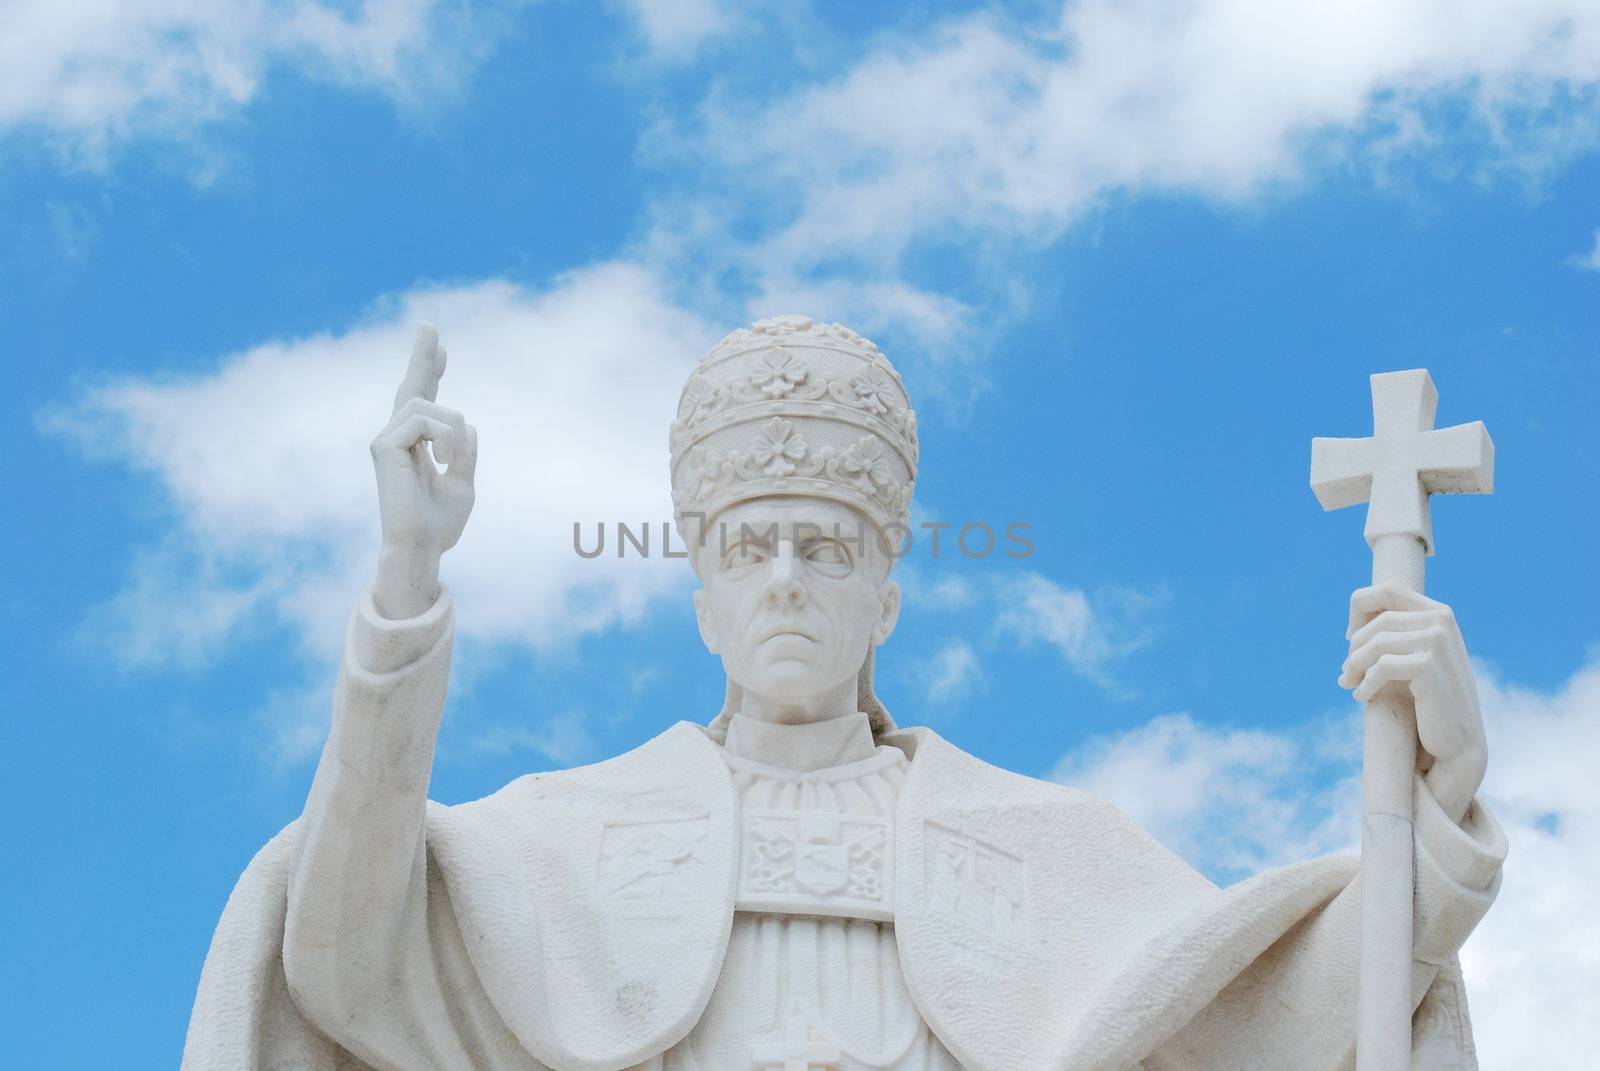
702,619
888,611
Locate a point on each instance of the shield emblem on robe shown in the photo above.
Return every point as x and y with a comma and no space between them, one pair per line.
816,863
822,869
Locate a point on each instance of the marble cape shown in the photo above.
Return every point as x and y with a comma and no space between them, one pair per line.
1115,954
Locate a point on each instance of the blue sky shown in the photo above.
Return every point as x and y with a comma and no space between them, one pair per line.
1130,259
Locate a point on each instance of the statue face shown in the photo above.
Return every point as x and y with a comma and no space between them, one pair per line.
795,591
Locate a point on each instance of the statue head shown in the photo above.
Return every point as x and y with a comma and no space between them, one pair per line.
793,459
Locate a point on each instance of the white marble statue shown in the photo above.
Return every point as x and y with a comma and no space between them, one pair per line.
799,885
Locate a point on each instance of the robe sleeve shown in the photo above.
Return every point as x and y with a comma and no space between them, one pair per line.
382,932
370,952
1458,874
1295,1006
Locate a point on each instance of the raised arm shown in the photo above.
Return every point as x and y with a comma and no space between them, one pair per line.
356,949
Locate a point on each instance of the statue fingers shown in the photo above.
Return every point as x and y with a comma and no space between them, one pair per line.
464,465
1366,602
412,432
426,366
1395,621
443,449
1362,659
1389,669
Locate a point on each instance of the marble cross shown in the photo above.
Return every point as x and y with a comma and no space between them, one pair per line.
796,1048
1403,462
1395,471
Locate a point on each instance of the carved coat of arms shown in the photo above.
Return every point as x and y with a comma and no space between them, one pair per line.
816,863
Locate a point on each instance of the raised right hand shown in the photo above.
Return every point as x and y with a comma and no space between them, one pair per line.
423,509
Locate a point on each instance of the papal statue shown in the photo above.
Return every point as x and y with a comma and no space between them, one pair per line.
799,884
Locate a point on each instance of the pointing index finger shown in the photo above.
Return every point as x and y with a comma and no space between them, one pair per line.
427,365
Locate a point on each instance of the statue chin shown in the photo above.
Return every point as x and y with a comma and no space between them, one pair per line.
787,680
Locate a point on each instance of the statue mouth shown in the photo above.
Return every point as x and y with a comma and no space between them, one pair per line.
786,633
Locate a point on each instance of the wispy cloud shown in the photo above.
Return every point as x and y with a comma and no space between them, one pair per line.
563,739
999,607
948,593
1589,261
179,608
75,230
1092,633
952,673
95,73
988,135
929,588
1232,800
288,727
675,29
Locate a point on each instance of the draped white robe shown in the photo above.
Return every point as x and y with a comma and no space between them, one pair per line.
1030,925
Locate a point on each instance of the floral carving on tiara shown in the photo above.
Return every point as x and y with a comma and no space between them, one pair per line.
790,406
781,453
781,376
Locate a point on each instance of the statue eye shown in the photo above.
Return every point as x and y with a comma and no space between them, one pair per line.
830,555
744,555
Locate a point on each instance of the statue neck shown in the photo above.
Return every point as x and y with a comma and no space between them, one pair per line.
816,745
837,702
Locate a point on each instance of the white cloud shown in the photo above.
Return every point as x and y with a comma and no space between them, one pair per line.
991,134
290,724
953,673
263,460
563,739
177,608
1233,800
928,587
1092,635
95,72
946,593
674,29
1589,261
1533,966
1229,800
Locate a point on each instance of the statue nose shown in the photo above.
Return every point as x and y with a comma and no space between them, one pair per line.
783,586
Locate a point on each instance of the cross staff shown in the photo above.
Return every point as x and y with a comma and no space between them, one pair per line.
1395,470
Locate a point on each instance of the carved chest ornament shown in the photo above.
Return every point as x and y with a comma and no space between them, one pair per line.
816,863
